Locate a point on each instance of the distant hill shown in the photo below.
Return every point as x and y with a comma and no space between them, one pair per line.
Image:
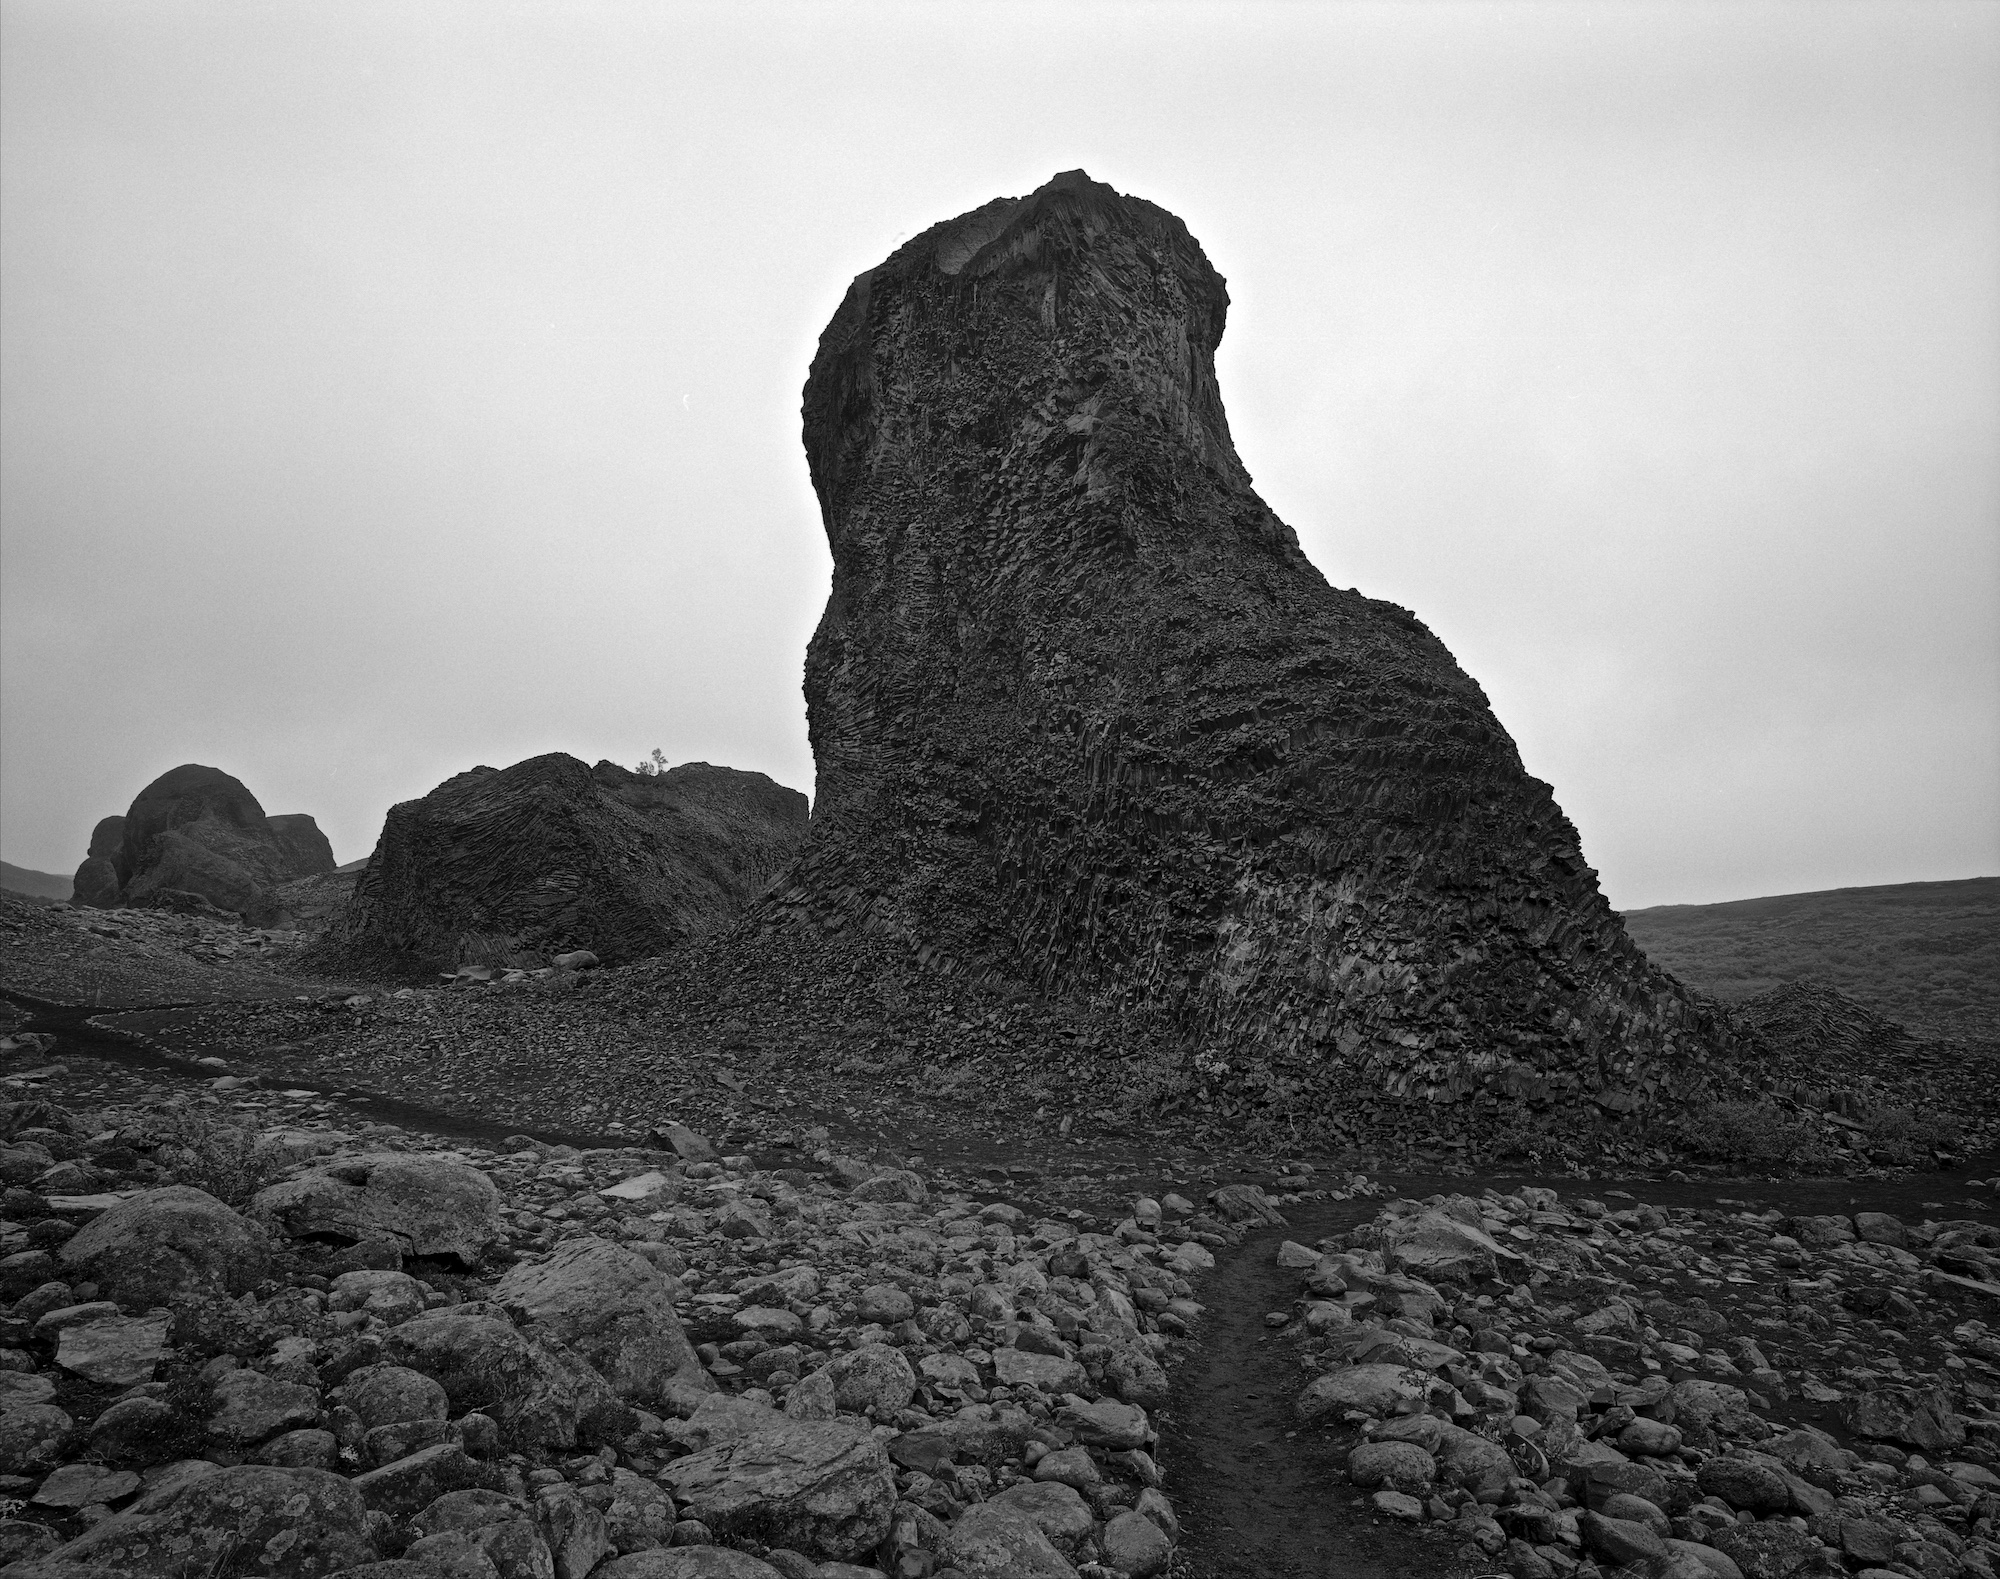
38,885
1924,954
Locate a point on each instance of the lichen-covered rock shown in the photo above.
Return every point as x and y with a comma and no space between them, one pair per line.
163,1244
610,1306
1401,1466
874,1376
33,1438
540,1394
430,1206
1372,1389
1057,1510
1923,1419
1135,1545
994,1541
114,1351
820,1487
515,866
251,1520
249,1406
1442,1249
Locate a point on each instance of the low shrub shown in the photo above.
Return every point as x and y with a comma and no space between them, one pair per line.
203,1149
1753,1134
1908,1136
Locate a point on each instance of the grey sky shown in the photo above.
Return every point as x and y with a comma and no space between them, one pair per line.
392,388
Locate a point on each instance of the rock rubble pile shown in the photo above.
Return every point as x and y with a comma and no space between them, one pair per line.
1577,1390
397,1359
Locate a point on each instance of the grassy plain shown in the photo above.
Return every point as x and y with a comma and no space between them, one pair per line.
1924,954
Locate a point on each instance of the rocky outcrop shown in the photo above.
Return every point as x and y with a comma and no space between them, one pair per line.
1087,720
196,834
96,881
309,851
515,866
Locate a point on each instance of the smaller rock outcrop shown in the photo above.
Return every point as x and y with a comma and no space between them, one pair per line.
96,881
514,866
196,836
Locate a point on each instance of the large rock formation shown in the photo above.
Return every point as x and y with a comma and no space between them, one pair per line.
196,831
1087,719
515,866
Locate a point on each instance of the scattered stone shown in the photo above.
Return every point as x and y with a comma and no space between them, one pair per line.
431,1207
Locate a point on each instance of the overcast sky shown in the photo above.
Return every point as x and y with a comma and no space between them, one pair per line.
393,388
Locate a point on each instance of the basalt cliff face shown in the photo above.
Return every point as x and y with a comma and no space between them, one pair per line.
513,866
1086,719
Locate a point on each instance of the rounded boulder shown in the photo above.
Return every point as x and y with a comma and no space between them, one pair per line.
1400,1466
162,1243
873,1376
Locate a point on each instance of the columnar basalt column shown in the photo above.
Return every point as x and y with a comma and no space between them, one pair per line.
1086,718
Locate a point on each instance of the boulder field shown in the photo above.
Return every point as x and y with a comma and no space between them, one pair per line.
384,1357
1570,1388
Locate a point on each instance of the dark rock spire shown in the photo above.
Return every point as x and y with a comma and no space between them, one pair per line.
1087,719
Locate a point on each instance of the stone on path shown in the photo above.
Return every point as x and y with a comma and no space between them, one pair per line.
1371,1389
1442,1249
